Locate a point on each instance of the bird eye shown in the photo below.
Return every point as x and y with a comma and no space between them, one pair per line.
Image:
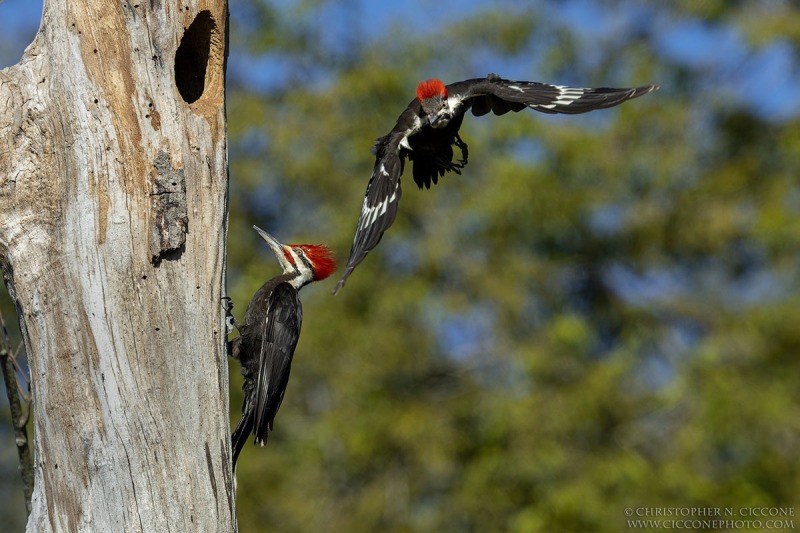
299,251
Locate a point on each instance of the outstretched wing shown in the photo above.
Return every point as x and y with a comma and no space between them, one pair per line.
281,329
379,208
500,96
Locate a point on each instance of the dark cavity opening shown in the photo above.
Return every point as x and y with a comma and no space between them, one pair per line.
191,59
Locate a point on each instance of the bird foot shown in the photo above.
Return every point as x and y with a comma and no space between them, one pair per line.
230,320
461,145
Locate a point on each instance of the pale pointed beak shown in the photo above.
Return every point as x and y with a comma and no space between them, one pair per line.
277,248
441,119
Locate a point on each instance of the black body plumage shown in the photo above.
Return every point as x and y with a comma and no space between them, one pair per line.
265,348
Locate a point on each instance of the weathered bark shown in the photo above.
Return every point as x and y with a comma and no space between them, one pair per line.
113,194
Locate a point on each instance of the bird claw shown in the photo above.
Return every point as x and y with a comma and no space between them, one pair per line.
461,145
230,321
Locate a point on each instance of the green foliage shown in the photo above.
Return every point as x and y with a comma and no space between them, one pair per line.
600,313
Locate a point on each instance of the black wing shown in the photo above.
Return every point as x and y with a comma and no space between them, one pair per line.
500,96
379,208
280,331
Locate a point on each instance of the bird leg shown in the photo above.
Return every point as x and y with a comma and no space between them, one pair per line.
464,151
230,323
446,163
230,320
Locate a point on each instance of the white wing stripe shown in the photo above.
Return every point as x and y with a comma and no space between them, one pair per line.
371,214
566,95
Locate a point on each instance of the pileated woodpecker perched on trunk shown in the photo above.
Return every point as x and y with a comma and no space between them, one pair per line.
427,130
269,335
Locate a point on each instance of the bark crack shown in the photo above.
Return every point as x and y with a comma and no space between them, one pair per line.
211,475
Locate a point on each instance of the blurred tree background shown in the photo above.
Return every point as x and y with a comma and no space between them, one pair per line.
602,312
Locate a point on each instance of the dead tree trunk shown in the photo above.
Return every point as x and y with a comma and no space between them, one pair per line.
113,194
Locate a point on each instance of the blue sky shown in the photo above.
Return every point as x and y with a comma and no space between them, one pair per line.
767,79
19,20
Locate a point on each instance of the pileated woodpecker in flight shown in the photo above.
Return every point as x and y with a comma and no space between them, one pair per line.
427,130
269,335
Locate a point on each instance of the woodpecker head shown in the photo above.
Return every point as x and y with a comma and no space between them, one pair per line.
432,96
305,262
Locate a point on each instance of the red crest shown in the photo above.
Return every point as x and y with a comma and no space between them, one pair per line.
321,258
430,88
